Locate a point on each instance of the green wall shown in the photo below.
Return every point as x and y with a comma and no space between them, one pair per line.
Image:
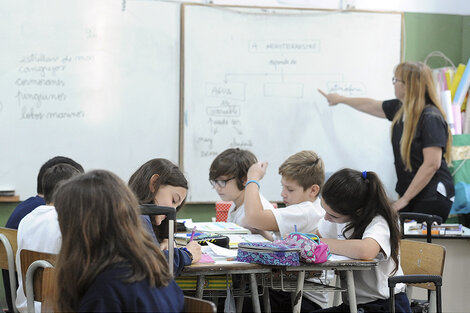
425,33
465,39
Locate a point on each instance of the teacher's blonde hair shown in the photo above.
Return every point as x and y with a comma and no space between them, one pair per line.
420,91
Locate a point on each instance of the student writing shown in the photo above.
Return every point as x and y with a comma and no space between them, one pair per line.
359,223
160,182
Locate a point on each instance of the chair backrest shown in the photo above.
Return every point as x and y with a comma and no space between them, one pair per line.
7,260
422,258
27,257
195,305
420,218
47,290
10,235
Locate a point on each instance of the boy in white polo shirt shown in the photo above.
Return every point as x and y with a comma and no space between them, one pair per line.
303,175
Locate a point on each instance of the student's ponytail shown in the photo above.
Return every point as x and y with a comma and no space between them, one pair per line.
379,202
361,197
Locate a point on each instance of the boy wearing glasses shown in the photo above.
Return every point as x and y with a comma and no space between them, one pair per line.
227,176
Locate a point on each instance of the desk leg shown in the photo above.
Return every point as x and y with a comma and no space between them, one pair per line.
351,292
239,304
266,300
254,294
199,286
337,295
298,292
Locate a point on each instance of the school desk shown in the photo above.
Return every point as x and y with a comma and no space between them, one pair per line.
456,271
200,270
340,266
346,266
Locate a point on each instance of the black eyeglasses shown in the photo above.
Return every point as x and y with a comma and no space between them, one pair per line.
395,80
220,182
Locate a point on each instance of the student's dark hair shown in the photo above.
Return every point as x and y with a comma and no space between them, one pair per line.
361,197
49,164
100,225
53,176
233,162
168,174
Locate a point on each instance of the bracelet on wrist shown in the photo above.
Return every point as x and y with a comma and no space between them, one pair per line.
189,253
253,181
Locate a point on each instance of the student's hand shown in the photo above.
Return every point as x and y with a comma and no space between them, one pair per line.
257,171
332,98
164,244
195,250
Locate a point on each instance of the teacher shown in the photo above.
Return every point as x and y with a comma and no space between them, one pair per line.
421,139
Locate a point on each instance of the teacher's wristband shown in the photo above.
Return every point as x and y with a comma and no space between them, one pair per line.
253,181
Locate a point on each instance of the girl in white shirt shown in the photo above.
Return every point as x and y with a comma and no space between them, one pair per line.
359,223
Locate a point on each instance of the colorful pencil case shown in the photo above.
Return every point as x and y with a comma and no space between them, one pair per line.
268,253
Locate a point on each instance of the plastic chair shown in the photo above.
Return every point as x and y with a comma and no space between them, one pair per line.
7,260
423,266
195,305
420,218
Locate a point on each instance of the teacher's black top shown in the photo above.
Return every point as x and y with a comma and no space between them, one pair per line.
431,131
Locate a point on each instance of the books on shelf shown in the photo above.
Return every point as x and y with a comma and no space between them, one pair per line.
7,192
413,228
444,229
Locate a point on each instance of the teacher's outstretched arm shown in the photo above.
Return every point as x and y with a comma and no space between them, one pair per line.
366,105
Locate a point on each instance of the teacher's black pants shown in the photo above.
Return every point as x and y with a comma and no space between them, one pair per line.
439,206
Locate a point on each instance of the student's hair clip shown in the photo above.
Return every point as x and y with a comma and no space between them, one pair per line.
364,175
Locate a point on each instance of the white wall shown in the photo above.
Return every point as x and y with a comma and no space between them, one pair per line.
461,7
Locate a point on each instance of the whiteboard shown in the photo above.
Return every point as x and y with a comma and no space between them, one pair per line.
251,79
97,81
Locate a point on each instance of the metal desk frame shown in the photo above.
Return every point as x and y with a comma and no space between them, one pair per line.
236,268
347,266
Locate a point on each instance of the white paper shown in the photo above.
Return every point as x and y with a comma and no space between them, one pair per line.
337,257
222,251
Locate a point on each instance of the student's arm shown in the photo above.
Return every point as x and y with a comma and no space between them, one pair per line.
255,215
366,105
432,157
364,249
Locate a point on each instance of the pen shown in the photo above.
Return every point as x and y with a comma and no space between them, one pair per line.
192,234
295,228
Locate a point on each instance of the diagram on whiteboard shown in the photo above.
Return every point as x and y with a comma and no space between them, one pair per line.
254,85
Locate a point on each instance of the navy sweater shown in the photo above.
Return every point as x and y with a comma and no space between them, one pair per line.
181,258
110,293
